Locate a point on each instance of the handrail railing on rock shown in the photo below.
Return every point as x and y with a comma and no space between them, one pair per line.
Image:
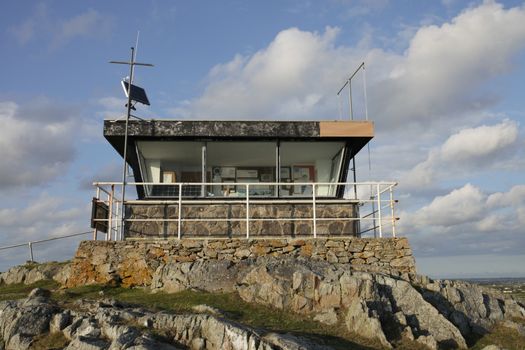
30,244
376,205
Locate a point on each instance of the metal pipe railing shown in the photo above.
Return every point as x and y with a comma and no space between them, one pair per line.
373,199
31,243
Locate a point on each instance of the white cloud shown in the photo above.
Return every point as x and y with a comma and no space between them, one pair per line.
42,217
459,206
470,148
37,143
43,209
352,8
469,211
113,107
436,80
288,79
88,24
467,221
476,143
108,172
514,197
441,71
29,28
60,31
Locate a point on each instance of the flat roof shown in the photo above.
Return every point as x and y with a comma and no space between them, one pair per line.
226,129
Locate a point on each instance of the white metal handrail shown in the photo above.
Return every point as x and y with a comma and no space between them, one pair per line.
31,243
377,219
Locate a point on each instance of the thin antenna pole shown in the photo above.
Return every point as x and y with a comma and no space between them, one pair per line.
364,90
137,43
125,165
132,65
135,55
340,107
350,100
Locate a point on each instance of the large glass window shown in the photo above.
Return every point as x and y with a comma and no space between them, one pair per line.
305,162
170,162
241,162
231,164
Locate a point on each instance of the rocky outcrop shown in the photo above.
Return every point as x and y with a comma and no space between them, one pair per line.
473,309
366,285
133,263
382,307
389,306
111,325
34,272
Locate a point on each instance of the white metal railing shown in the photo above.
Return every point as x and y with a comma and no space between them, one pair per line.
376,205
114,225
30,244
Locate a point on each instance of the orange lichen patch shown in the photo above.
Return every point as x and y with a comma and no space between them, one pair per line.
135,273
306,250
260,250
278,243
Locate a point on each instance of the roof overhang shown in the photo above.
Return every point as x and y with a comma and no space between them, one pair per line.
356,133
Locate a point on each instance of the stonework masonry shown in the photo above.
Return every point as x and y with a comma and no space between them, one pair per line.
134,262
341,225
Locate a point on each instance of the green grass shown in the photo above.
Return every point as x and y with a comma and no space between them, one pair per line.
520,296
503,337
50,341
20,290
232,306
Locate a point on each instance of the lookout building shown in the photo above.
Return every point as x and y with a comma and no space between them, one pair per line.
240,178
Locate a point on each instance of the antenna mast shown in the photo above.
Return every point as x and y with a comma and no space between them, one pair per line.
132,63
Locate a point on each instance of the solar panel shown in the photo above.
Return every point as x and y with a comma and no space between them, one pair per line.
137,93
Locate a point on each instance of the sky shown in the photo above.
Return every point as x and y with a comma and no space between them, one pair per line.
444,83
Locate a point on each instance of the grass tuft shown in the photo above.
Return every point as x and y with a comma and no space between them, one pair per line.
49,341
503,337
20,290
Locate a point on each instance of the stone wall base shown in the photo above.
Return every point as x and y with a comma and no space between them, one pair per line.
133,262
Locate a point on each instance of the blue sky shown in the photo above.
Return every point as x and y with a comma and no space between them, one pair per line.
445,87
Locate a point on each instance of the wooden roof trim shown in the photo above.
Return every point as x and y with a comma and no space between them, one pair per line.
346,129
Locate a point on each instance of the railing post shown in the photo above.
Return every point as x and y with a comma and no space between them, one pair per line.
314,216
110,214
30,244
392,211
379,211
180,212
247,211
117,231
108,231
95,229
